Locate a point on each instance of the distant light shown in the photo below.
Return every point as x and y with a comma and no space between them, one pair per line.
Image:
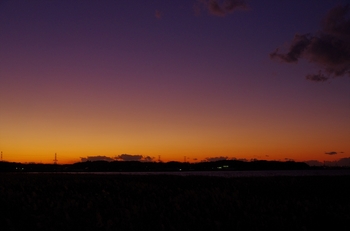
219,167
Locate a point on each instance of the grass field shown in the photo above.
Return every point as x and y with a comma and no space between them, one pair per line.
164,202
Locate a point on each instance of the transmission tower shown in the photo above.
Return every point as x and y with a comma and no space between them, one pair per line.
55,160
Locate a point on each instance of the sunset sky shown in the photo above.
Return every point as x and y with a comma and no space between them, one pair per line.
173,78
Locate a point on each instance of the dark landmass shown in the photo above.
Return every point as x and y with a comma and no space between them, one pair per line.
137,166
50,201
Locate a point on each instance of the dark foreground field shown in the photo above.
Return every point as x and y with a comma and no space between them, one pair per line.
160,202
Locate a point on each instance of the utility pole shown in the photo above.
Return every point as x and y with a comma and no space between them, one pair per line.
1,155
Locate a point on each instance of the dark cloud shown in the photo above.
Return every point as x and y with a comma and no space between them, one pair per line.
220,7
128,157
96,158
337,21
317,77
148,159
289,159
212,159
344,162
297,47
328,48
331,153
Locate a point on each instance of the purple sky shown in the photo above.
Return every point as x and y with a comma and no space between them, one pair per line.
174,78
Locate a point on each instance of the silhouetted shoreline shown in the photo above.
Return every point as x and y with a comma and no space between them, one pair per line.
137,166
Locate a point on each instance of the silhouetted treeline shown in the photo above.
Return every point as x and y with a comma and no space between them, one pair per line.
137,166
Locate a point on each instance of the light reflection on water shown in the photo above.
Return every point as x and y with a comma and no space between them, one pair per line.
232,173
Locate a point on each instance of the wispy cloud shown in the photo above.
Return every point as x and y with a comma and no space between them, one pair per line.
331,153
328,48
220,7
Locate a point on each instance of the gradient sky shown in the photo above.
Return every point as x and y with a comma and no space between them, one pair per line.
170,78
